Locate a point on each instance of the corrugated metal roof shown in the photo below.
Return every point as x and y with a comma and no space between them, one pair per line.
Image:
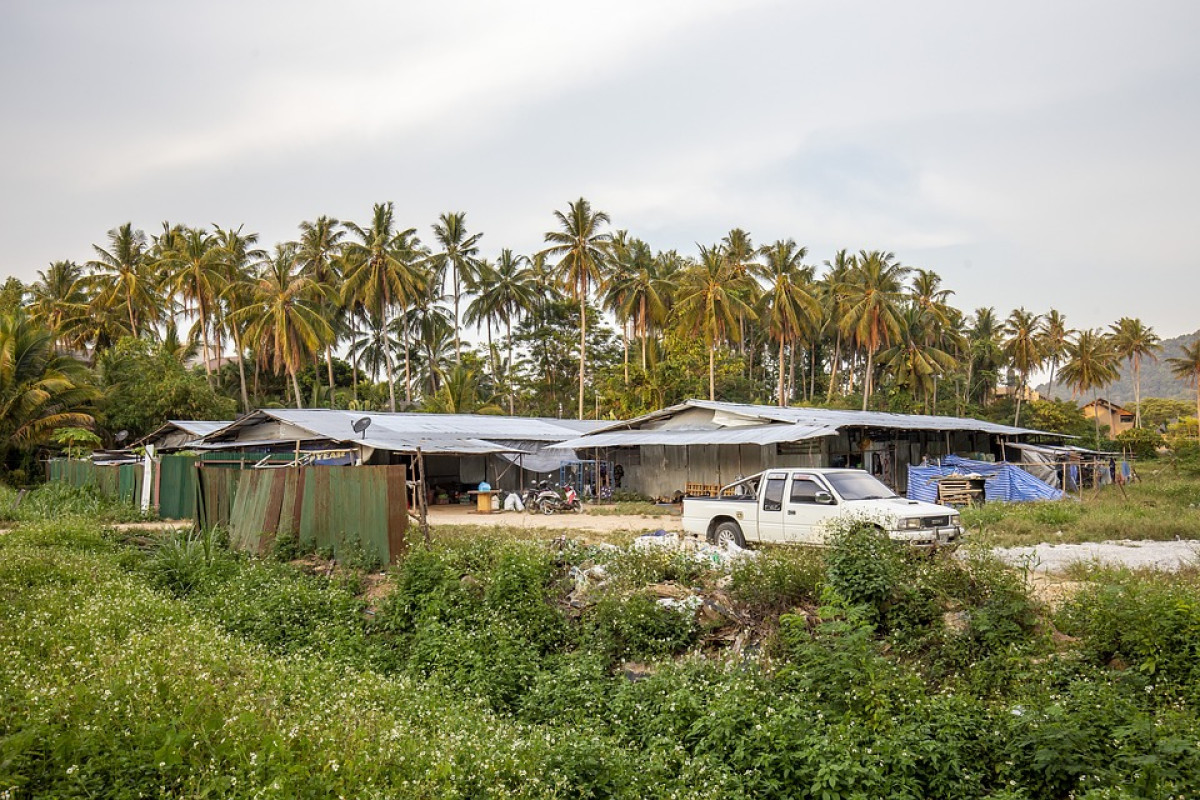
461,434
198,427
768,433
831,418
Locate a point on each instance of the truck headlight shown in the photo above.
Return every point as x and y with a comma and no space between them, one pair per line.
955,519
910,524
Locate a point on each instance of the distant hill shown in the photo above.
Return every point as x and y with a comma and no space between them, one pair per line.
1157,380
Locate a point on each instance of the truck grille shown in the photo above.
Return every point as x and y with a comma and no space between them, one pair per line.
935,522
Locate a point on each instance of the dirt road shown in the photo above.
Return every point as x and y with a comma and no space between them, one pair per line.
599,523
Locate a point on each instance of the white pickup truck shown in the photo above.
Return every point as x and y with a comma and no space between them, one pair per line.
796,504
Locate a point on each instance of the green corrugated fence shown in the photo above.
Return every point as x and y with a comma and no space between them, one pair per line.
342,508
123,482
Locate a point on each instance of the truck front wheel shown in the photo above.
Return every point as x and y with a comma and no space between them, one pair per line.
727,533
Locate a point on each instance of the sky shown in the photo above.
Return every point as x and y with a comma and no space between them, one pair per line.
1033,154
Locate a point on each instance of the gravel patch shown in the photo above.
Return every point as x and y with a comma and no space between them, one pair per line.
1168,556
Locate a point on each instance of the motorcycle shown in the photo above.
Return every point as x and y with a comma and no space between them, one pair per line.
547,499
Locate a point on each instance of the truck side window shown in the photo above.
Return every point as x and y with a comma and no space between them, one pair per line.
804,490
773,496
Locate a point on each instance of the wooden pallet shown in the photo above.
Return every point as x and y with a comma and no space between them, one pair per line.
957,492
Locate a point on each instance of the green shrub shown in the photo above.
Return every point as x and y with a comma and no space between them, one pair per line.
637,627
1141,443
182,562
864,567
778,580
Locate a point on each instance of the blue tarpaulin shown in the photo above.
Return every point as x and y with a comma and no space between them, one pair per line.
1005,482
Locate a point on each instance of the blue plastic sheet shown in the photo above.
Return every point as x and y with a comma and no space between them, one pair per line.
1004,482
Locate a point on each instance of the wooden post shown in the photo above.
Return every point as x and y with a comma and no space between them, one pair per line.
421,496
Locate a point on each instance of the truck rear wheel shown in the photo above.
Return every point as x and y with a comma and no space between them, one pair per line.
727,533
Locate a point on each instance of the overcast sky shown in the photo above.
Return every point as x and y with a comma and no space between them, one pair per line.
1034,154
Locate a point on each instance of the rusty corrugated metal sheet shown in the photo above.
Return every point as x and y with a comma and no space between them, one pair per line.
343,509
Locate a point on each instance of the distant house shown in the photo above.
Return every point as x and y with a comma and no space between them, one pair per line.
1028,395
1116,418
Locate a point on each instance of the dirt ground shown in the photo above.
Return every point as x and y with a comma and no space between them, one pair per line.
1054,558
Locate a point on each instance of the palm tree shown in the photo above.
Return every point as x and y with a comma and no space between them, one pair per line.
238,255
508,293
643,291
320,248
1023,347
286,314
789,303
58,295
1187,368
834,306
195,271
984,353
583,252
122,271
40,389
873,306
1055,337
458,257
710,304
915,360
1091,365
1132,340
382,270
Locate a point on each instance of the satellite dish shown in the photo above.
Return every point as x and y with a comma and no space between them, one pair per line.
361,425
121,436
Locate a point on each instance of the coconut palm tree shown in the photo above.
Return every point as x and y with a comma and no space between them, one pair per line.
1055,338
508,293
320,251
642,292
789,305
583,251
40,389
984,353
873,306
238,256
1091,365
834,289
456,262
1023,347
196,272
1186,367
286,314
916,359
382,270
122,272
710,304
59,295
1134,340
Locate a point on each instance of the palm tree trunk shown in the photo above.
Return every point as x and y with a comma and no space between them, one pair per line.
625,341
867,378
712,380
645,329
204,341
1020,393
237,341
329,368
457,344
812,371
1137,391
387,357
792,372
407,370
781,401
511,389
833,372
582,340
296,389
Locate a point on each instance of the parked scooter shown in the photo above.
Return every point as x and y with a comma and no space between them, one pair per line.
548,500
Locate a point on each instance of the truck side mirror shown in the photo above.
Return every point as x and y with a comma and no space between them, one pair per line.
824,498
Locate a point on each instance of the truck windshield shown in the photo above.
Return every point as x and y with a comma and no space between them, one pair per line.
858,486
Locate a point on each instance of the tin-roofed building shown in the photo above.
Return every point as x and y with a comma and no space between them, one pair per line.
698,446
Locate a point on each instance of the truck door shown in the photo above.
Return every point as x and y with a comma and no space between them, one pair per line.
803,513
770,508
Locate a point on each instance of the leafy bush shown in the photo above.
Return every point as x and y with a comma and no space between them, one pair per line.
778,579
1146,623
637,627
864,567
1142,443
